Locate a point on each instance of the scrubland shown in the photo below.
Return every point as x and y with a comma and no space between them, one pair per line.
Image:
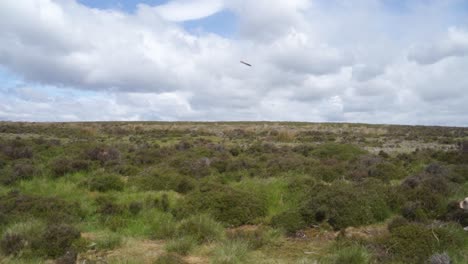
151,192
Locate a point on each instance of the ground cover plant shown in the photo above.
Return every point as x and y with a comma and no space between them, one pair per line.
150,192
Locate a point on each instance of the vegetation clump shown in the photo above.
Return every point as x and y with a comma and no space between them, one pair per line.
226,204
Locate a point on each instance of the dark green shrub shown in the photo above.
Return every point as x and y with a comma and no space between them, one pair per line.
135,207
290,221
413,211
57,239
163,180
226,204
61,166
20,171
337,151
396,223
105,182
343,205
386,172
103,154
412,243
17,149
456,214
107,207
17,205
415,243
12,244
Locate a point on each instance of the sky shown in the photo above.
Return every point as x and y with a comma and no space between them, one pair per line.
360,61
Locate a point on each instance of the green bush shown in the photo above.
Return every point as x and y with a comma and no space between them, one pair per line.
63,165
17,205
226,204
415,243
12,244
290,221
103,182
57,239
20,171
201,227
343,205
337,151
164,180
103,154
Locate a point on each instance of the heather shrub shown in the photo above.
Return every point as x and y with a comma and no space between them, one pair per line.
103,182
57,239
337,151
63,165
12,244
135,207
19,171
343,205
290,221
415,243
103,154
17,205
163,180
16,149
226,204
396,223
21,237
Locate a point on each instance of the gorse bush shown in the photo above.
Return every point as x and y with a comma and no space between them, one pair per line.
226,204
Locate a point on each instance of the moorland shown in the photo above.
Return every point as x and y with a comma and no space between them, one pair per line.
238,192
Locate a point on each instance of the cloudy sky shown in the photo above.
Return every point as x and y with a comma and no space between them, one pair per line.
367,61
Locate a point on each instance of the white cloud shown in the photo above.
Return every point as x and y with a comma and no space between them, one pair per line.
312,61
455,45
182,10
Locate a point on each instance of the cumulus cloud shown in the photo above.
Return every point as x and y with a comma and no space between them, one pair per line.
454,45
312,61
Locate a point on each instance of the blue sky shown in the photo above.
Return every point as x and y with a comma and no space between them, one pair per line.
374,61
